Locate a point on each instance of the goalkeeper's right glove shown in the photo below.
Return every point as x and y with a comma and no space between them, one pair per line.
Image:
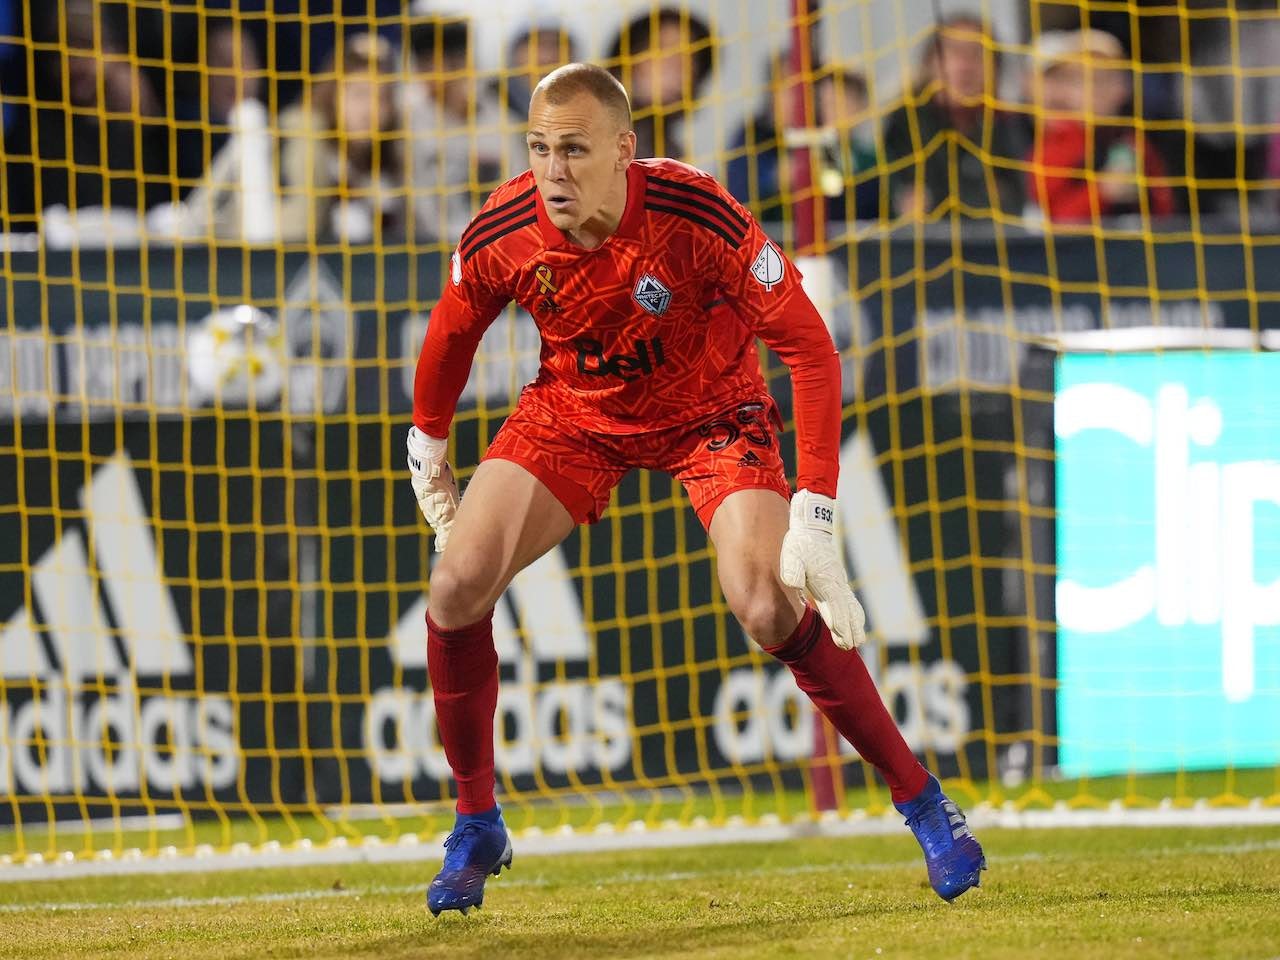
433,483
811,561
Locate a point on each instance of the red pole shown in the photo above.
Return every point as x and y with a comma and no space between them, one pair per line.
826,773
807,210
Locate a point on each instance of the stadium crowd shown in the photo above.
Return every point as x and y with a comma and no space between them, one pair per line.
154,119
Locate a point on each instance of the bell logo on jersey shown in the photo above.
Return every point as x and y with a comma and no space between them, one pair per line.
767,267
455,268
651,294
593,362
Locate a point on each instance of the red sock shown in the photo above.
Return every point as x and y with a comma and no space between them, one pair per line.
463,666
839,685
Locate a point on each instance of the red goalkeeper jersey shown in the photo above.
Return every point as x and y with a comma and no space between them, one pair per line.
655,327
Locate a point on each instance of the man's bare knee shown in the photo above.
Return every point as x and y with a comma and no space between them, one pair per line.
747,531
766,614
768,623
507,520
460,595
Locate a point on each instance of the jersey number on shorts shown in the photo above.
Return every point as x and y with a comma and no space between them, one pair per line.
746,422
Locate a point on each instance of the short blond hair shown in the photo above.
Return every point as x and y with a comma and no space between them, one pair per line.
573,79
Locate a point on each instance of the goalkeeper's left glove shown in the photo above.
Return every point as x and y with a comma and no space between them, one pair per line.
433,483
811,561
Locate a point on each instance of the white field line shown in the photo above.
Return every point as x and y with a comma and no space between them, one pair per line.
417,888
537,843
356,893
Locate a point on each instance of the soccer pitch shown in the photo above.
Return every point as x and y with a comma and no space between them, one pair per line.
1082,893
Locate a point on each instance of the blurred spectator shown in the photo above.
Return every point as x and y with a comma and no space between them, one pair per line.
1157,55
11,61
663,58
534,52
1088,159
95,121
457,131
230,69
1273,172
294,37
341,153
1230,96
848,160
968,147
757,174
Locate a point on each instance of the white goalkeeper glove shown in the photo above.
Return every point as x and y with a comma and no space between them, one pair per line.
433,483
811,561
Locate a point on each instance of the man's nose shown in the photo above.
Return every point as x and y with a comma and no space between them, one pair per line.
556,167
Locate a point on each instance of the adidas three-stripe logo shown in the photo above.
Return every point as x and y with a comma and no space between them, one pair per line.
515,214
706,209
107,731
959,828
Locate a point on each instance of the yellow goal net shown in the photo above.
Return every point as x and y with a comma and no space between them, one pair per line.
1043,236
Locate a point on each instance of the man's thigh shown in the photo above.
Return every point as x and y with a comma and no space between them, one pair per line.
506,521
747,533
737,450
578,468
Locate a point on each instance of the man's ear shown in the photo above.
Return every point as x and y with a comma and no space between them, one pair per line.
626,149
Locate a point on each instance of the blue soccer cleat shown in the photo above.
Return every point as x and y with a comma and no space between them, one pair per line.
478,846
951,852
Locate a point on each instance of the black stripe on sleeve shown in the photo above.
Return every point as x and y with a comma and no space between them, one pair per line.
701,221
504,231
731,214
478,224
705,208
479,238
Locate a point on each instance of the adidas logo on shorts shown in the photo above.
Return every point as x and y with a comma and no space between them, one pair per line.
749,459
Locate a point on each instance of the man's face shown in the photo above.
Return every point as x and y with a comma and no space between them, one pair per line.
577,151
234,70
83,71
840,104
358,109
446,80
1072,88
964,63
534,60
658,74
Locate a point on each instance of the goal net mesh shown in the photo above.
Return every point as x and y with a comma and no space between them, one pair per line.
1048,259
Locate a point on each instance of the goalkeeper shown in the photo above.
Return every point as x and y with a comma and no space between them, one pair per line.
649,285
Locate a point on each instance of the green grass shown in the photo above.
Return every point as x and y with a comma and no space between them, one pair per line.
1204,892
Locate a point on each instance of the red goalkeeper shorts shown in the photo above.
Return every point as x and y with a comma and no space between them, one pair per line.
736,449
